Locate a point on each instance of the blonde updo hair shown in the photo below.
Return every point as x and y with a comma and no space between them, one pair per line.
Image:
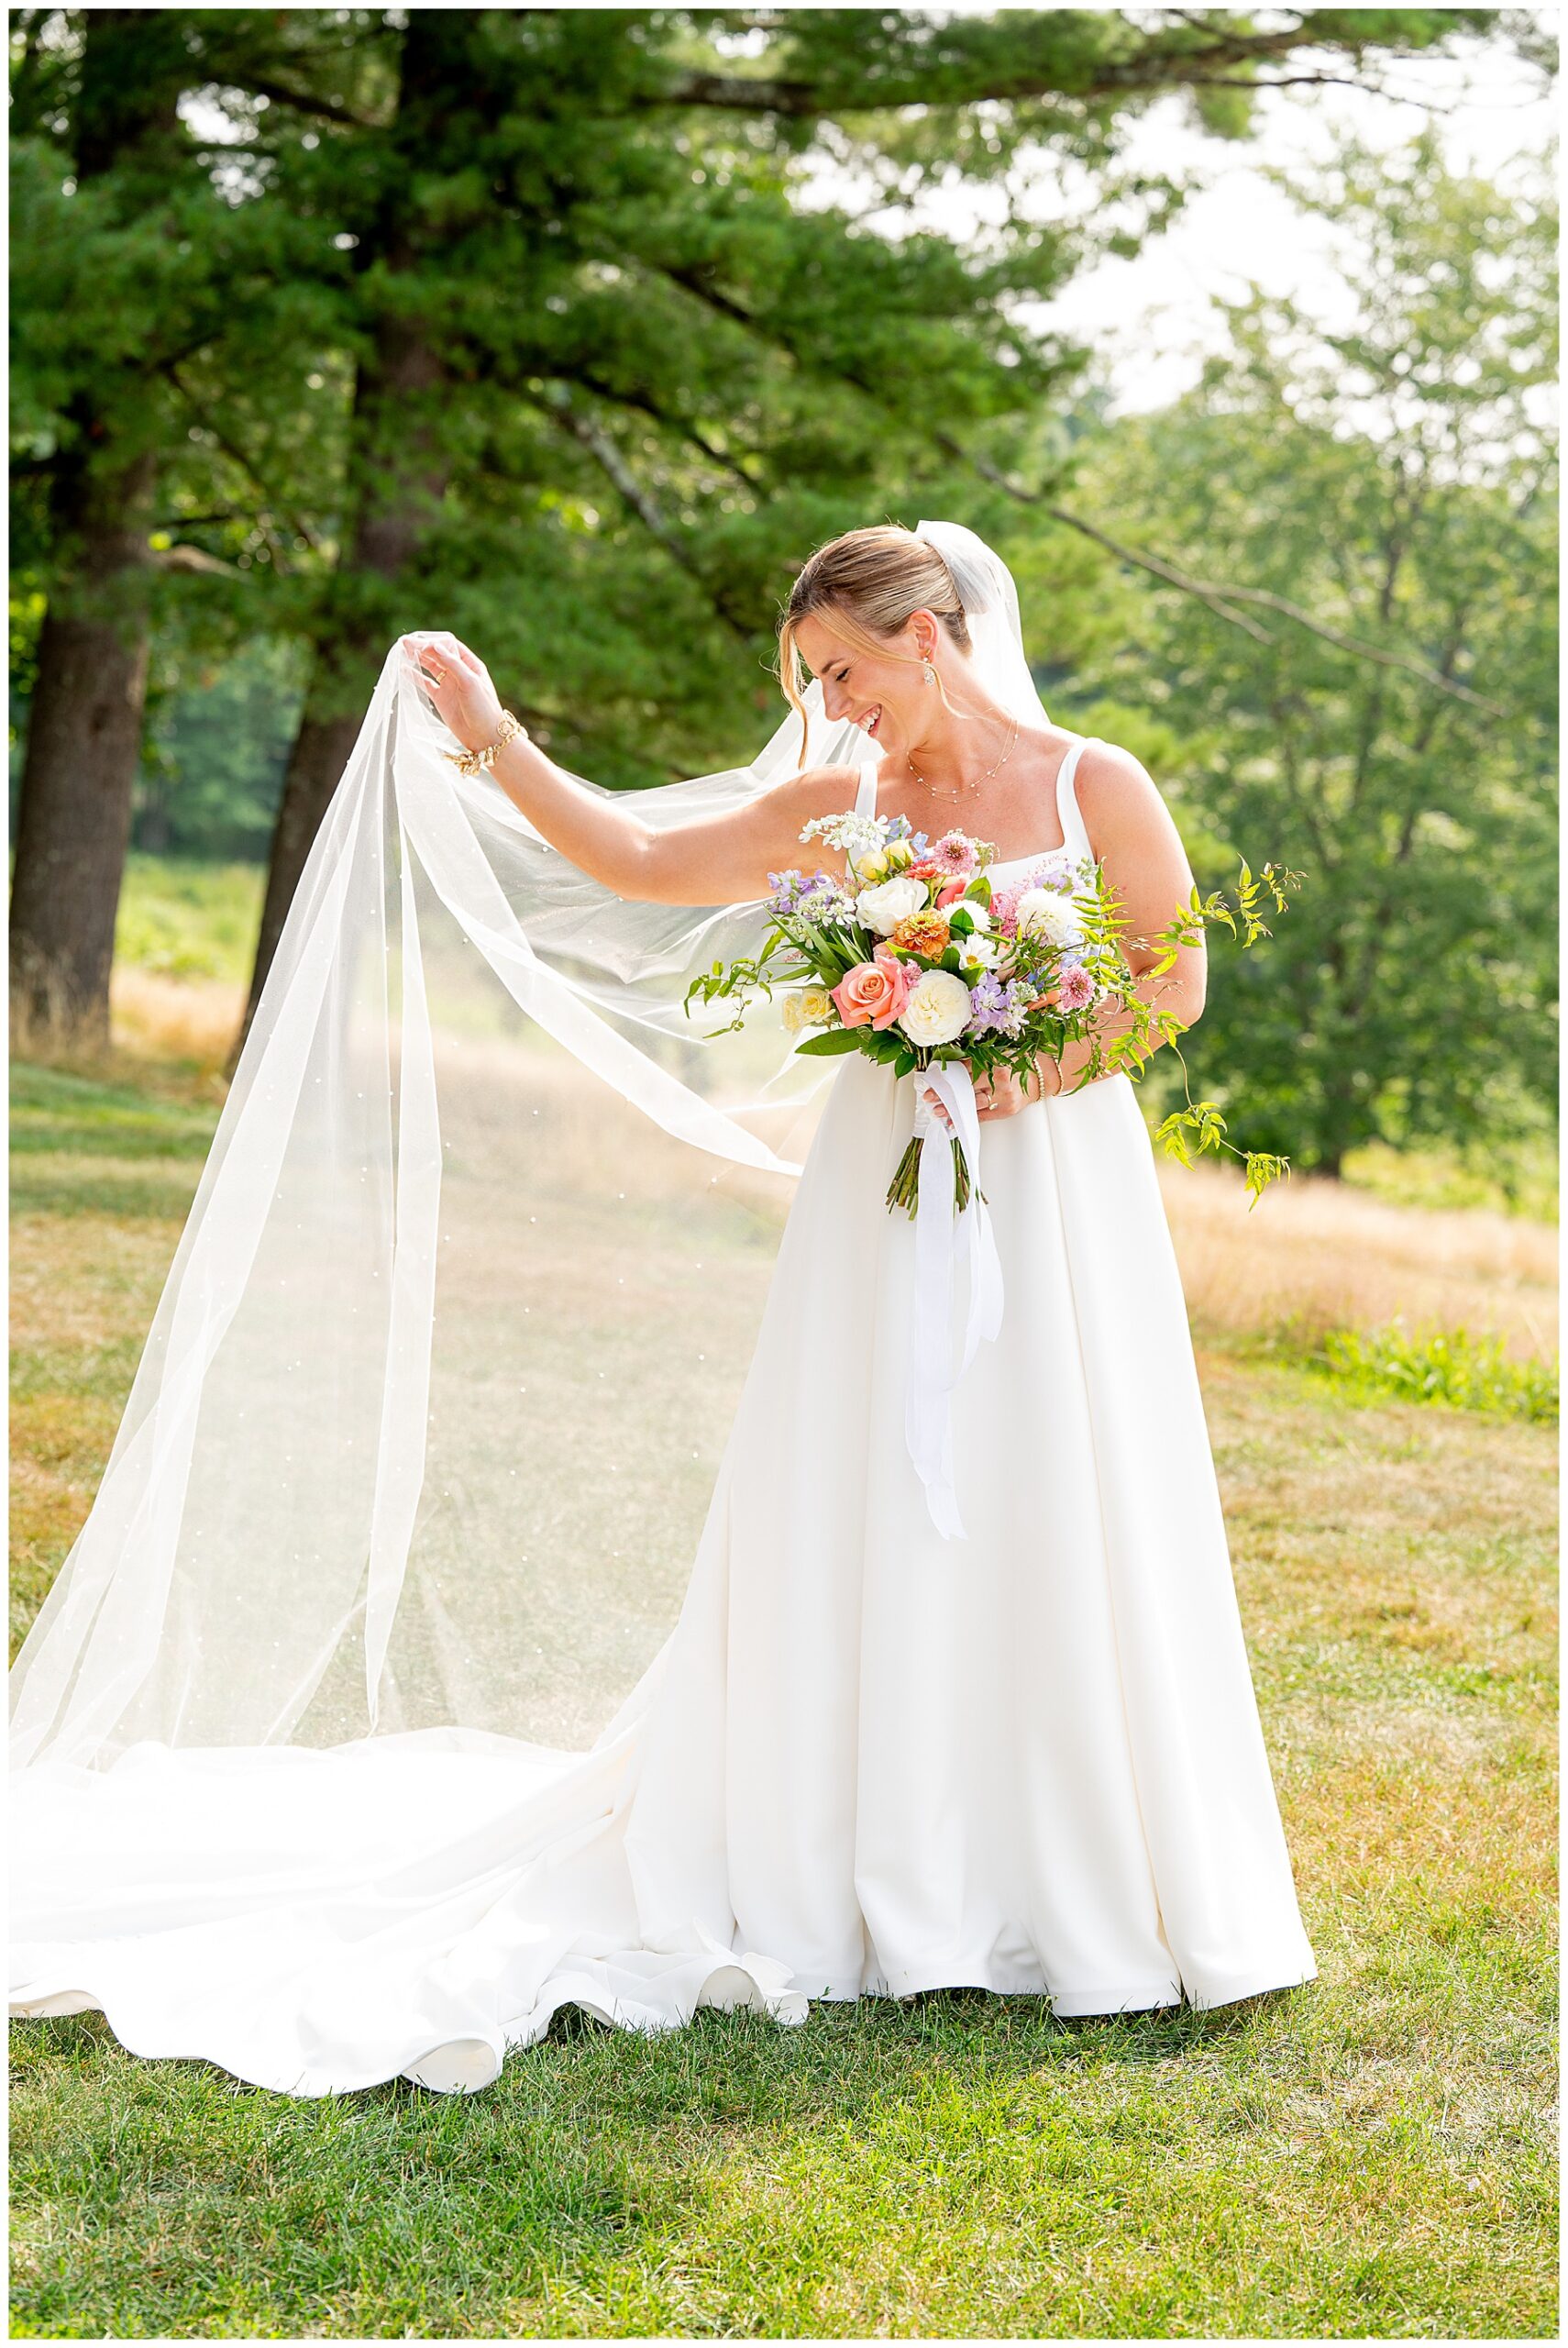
868,582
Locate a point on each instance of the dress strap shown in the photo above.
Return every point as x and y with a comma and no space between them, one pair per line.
866,794
1074,834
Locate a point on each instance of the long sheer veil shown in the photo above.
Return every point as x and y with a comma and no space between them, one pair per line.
426,1421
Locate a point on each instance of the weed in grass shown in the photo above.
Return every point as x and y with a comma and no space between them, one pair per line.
1471,1373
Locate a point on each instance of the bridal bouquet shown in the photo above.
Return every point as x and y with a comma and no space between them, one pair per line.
919,962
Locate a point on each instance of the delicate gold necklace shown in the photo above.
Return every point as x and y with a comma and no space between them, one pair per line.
964,788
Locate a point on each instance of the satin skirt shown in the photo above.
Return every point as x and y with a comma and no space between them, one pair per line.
865,1760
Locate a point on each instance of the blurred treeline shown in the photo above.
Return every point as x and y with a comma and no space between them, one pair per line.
575,330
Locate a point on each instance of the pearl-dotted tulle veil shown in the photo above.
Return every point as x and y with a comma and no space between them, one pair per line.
424,1424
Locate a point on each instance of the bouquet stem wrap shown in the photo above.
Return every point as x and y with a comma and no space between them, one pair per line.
942,1236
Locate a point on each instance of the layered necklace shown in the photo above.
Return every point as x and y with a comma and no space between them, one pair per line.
964,789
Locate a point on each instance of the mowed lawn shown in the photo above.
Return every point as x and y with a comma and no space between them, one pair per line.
1369,2155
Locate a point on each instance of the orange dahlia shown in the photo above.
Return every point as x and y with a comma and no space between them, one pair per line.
925,933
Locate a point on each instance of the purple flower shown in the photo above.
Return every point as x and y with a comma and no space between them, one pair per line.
999,1007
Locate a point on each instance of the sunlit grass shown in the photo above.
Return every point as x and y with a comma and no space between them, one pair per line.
1371,2155
186,919
1442,1366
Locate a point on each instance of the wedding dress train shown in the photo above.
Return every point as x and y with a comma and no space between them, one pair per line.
865,1759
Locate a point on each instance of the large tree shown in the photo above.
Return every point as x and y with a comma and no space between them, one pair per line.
144,270
561,311
610,368
1386,722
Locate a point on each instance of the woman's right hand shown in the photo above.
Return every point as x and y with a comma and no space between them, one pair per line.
458,683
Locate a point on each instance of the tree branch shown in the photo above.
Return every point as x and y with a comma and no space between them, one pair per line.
183,558
1218,595
556,404
261,86
619,396
238,456
1161,64
1221,597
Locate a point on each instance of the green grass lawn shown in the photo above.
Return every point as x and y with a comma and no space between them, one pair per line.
1370,2155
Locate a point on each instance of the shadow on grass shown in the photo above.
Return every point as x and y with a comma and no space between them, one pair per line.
872,2045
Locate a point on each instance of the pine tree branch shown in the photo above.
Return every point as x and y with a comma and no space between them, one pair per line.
238,456
1221,596
556,404
618,395
1162,62
262,85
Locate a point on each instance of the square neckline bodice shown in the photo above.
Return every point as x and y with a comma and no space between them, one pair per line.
1074,840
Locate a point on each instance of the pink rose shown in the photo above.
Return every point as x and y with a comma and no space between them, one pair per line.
874,992
950,894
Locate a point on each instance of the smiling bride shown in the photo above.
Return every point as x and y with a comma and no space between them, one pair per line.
356,1736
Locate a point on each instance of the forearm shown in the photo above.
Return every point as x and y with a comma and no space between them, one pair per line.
1172,991
606,841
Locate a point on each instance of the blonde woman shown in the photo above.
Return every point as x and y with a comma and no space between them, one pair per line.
868,1759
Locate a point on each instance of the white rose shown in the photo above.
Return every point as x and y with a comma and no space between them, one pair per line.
937,1011
1050,914
883,908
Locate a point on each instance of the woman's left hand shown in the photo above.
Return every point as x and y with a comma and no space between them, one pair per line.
1003,1094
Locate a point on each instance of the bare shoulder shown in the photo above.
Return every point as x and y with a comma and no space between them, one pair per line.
1108,777
1119,798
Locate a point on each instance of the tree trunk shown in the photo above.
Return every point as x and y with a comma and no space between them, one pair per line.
86,723
347,660
395,456
78,774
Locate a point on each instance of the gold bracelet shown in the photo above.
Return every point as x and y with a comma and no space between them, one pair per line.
479,761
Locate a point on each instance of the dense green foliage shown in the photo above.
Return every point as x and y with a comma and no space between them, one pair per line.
1394,481
653,366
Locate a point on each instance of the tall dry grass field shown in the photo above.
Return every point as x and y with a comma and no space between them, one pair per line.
1314,1255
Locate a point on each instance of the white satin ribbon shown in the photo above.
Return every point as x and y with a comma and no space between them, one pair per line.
940,1237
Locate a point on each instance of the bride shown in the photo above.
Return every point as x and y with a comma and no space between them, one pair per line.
878,1752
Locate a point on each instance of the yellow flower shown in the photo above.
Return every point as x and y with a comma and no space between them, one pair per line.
793,1015
872,868
816,1007
899,855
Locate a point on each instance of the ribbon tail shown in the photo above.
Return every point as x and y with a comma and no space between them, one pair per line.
939,1236
926,1428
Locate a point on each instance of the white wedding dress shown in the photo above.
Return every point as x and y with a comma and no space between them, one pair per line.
866,1759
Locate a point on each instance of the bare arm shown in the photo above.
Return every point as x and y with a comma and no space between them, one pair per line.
1134,836
714,861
